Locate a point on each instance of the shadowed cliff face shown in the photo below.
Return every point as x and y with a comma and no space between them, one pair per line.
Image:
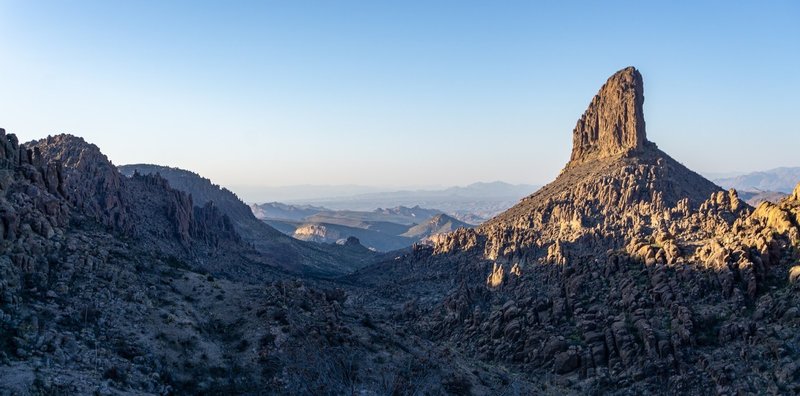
296,256
91,182
614,122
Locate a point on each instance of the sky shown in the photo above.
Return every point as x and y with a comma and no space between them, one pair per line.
396,93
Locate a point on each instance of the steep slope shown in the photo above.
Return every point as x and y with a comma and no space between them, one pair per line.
145,208
200,188
86,271
288,253
628,274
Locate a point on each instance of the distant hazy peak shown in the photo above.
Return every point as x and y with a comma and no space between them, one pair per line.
779,179
614,122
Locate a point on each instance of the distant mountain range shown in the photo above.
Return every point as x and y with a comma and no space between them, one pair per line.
778,179
380,229
401,218
281,211
473,204
756,197
301,192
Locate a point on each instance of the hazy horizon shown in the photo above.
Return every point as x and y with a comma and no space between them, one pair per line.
411,94
306,193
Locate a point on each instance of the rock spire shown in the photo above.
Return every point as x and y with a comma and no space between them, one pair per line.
613,125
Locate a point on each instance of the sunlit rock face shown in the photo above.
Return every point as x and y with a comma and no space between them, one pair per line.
614,122
616,187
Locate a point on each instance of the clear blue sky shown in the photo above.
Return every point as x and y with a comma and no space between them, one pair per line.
396,93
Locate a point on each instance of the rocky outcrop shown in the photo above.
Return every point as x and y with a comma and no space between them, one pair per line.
189,224
616,187
201,190
91,182
720,280
31,192
194,201
614,122
9,150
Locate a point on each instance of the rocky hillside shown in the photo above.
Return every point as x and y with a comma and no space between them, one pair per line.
290,254
201,189
114,285
84,264
628,274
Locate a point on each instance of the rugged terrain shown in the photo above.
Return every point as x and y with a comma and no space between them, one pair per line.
628,274
122,285
295,256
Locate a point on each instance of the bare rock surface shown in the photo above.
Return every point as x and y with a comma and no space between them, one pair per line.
614,122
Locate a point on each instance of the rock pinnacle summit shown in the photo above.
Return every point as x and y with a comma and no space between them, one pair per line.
613,124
